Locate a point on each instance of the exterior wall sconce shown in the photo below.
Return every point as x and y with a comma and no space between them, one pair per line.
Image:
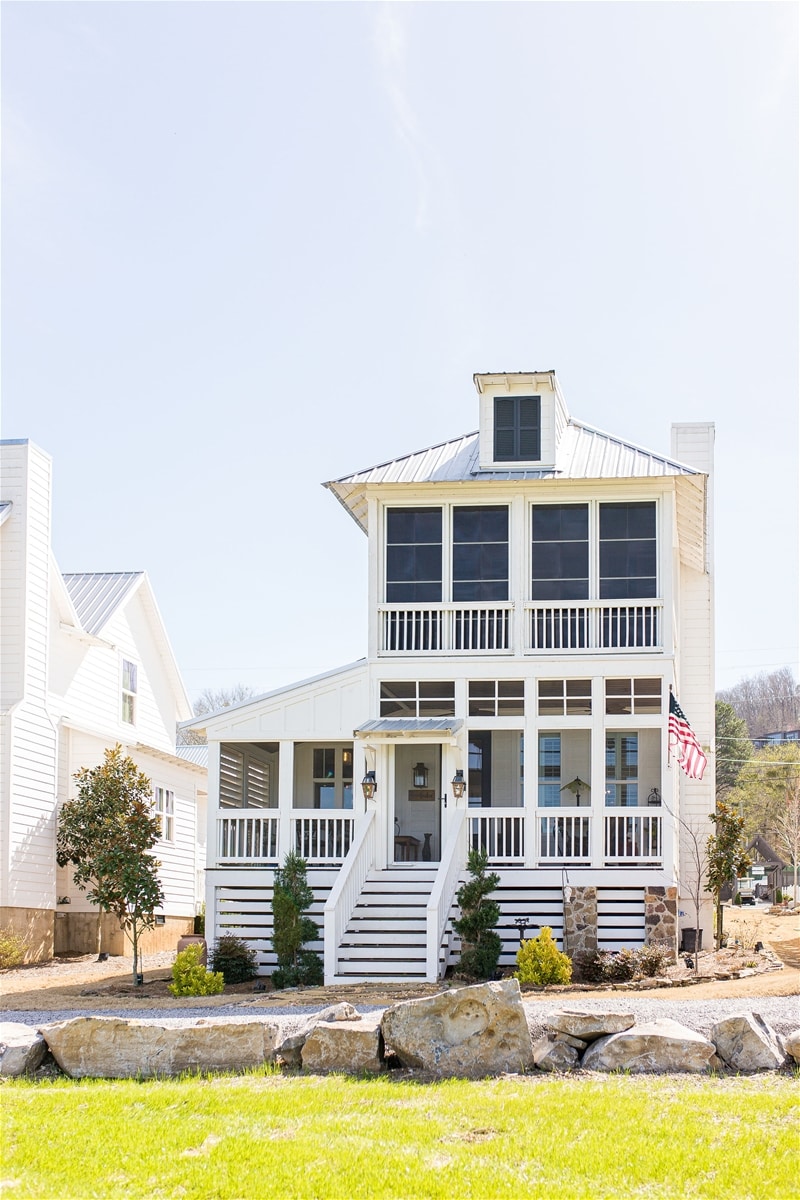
459,784
654,798
420,775
368,785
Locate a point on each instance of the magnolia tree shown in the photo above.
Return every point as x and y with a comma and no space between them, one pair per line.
726,856
106,834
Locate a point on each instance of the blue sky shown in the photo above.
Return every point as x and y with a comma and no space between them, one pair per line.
248,247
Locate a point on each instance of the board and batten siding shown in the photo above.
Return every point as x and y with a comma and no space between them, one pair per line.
28,769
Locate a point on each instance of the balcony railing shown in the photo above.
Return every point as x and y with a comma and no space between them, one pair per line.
594,625
445,628
322,838
564,837
632,838
247,839
500,832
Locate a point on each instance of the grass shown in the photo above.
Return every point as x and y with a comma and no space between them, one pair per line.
340,1138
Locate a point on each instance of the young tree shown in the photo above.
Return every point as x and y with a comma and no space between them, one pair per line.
734,747
726,857
479,915
106,833
291,897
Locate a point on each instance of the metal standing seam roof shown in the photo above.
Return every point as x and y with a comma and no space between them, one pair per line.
583,453
97,595
445,725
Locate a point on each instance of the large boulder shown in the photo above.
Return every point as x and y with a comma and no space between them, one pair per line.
116,1048
746,1043
352,1046
662,1046
289,1050
792,1044
22,1048
589,1025
479,1030
553,1055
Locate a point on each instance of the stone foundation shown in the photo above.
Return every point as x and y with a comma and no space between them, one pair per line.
661,917
76,933
580,923
35,925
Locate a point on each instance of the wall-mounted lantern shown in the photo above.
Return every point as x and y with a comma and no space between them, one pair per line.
420,775
368,785
459,784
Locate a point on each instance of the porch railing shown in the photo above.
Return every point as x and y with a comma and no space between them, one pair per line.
247,839
500,832
595,625
322,837
450,628
565,837
444,889
346,890
633,838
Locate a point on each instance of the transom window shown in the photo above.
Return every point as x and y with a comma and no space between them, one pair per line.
496,698
164,807
633,696
517,428
480,553
565,697
418,698
244,779
129,691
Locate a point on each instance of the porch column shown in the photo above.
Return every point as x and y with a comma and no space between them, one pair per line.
598,751
212,840
285,797
661,917
580,922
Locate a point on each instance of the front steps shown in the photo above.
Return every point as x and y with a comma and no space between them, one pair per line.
385,940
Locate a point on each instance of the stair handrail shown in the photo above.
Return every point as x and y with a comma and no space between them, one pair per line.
344,894
452,863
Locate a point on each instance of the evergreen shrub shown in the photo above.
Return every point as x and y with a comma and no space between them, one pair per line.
481,945
12,948
539,961
234,958
189,976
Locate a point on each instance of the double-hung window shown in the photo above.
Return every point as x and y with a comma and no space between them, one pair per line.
164,807
129,691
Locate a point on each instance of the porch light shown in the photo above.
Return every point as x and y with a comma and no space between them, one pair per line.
577,786
458,784
420,775
368,785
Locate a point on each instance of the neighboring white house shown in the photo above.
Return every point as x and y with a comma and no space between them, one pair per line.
536,588
85,664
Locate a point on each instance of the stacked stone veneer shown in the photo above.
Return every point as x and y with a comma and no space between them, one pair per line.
661,917
580,923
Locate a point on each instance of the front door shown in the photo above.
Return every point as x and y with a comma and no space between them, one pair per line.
417,803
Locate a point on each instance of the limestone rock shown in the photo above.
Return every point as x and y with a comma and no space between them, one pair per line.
792,1044
555,1055
479,1030
116,1048
289,1050
589,1025
656,1046
569,1040
22,1048
747,1043
352,1046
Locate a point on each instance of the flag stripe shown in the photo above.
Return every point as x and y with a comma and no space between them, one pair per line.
682,737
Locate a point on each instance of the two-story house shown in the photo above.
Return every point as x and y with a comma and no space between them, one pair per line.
536,589
85,663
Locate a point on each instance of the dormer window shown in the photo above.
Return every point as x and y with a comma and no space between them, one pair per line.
517,428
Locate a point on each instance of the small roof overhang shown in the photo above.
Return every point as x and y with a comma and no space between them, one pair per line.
417,728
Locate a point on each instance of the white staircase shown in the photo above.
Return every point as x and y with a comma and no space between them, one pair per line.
385,938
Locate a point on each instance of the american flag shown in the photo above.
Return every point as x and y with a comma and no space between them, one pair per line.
688,750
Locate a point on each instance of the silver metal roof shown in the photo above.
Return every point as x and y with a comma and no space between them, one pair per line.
583,453
5,510
97,595
400,725
196,754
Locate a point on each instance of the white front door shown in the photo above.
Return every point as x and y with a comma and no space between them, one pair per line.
417,802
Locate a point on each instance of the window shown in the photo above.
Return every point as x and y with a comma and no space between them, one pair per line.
622,770
129,689
480,553
332,777
517,428
627,551
496,768
244,779
549,770
565,697
413,555
560,552
418,698
164,806
496,698
633,696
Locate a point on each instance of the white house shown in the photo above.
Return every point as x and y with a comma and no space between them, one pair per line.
536,588
85,664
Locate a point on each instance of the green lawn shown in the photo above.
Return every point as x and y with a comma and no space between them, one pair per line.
267,1135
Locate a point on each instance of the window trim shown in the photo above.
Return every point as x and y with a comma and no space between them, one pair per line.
129,695
516,456
164,809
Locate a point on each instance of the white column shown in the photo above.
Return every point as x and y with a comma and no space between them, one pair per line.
212,844
285,797
598,759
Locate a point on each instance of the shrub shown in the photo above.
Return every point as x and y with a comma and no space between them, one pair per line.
291,928
12,948
620,966
652,960
737,899
189,976
200,922
539,961
479,915
234,958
